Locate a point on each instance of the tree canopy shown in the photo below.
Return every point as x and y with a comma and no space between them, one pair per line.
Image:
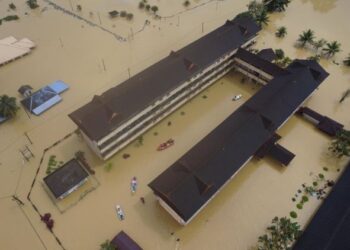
8,106
276,5
340,146
280,235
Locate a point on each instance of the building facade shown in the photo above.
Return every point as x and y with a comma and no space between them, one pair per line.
120,115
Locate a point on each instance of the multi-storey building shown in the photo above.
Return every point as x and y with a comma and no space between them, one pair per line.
112,120
189,184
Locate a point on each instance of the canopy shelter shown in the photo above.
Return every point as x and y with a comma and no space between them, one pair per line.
66,179
44,98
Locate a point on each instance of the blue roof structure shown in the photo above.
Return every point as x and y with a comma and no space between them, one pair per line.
44,98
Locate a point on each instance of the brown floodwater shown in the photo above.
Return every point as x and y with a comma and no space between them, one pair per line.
91,59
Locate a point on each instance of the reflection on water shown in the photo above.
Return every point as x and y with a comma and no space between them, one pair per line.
322,5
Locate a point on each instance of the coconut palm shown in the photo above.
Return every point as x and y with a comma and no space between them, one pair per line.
8,106
276,5
306,37
319,44
262,18
332,48
281,32
347,61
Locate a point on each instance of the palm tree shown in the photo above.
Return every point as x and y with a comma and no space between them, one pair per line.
319,44
8,106
281,32
332,48
262,18
306,37
276,5
347,61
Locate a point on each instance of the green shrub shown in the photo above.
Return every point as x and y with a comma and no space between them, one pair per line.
32,4
293,214
305,198
300,206
129,16
12,6
108,166
325,169
280,234
10,18
141,5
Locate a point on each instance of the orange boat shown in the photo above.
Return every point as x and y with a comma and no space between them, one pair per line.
166,144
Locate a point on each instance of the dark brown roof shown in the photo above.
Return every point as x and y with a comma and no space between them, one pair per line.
260,63
122,241
193,179
267,54
65,178
115,106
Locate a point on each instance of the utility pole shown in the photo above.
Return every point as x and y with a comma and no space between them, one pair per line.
202,27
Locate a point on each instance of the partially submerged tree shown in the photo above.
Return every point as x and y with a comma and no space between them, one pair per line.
154,8
129,16
113,13
281,32
141,5
279,54
10,18
123,13
316,57
32,4
332,48
340,146
276,5
12,6
280,236
258,12
187,3
8,106
319,44
107,245
307,36
347,61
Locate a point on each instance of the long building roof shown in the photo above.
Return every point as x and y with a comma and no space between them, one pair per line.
193,179
259,62
117,105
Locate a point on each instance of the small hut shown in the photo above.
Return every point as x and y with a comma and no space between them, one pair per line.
66,179
122,241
